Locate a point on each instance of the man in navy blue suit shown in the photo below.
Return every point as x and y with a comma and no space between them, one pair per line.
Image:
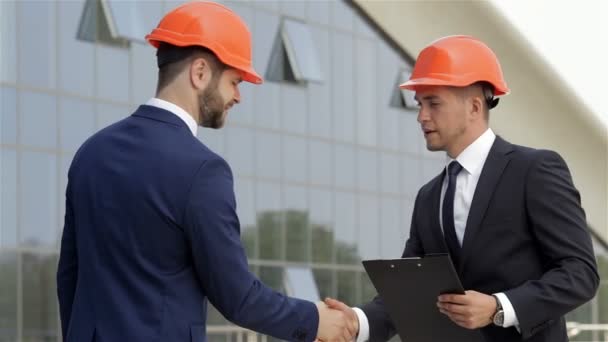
151,231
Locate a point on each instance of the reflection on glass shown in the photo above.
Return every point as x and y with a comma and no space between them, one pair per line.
214,316
325,280
345,229
368,291
244,192
38,202
347,287
8,297
272,277
297,223
297,244
269,222
321,225
40,310
8,194
369,230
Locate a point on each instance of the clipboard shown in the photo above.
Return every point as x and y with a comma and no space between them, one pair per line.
409,288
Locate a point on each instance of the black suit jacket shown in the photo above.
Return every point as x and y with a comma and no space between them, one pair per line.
526,236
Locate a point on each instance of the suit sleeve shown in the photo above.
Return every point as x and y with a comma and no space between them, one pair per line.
558,223
381,327
67,270
213,230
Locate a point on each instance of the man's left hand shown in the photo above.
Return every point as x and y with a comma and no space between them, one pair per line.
471,310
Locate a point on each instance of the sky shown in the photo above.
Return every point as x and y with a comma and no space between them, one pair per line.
572,36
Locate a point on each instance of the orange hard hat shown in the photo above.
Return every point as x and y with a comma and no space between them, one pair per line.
212,26
457,61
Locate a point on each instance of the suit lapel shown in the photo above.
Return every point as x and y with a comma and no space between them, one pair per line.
491,172
435,226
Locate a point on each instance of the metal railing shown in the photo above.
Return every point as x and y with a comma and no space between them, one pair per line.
575,328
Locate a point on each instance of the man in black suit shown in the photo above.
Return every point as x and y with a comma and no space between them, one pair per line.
509,216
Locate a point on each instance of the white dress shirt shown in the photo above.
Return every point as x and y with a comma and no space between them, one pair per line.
175,109
472,160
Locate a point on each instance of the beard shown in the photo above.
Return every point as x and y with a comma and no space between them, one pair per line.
212,106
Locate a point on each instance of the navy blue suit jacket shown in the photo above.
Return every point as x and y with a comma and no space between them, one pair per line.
151,232
526,235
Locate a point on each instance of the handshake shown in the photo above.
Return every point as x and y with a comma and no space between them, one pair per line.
337,322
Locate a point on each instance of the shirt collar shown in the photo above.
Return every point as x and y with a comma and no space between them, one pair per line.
474,156
181,113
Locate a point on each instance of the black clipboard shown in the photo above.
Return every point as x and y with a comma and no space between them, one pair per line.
409,288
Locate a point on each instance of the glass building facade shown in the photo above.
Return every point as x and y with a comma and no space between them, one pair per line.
327,157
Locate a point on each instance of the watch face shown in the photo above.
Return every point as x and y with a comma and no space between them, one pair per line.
499,318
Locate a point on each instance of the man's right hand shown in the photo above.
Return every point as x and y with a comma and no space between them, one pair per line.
335,325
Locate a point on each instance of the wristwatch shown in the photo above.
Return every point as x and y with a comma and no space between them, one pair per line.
499,316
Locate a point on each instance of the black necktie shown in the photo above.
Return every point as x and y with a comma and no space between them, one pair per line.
447,213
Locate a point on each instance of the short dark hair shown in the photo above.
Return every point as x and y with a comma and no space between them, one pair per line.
172,59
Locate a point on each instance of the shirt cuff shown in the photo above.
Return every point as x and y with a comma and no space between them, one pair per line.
363,326
507,307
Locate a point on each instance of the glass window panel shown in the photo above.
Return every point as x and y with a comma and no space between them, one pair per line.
245,208
239,149
295,8
38,200
301,51
406,209
431,168
77,120
8,198
392,236
243,111
342,15
38,120
389,127
411,176
36,22
269,221
145,75
76,58
214,316
367,170
365,92
113,73
65,160
8,115
369,230
264,33
8,297
131,20
389,173
8,41
343,91
346,229
296,216
344,166
40,309
318,11
319,103
268,151
295,159
294,103
320,162
362,28
347,287
272,277
108,114
326,280
321,213
368,291
299,282
412,139
214,140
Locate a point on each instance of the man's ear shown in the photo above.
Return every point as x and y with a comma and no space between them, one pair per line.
200,73
476,108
